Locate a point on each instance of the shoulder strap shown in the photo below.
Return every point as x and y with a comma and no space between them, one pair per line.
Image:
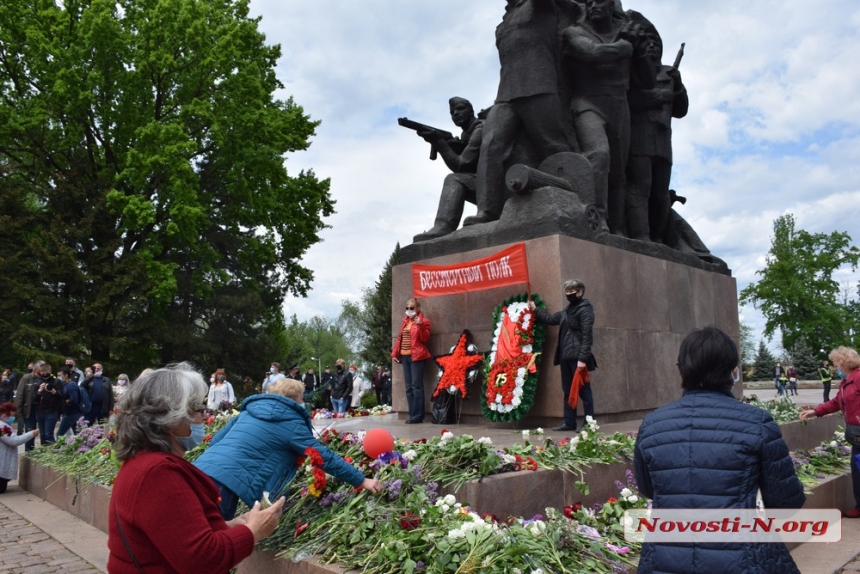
125,542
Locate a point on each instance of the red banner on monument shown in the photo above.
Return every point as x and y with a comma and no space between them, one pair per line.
508,267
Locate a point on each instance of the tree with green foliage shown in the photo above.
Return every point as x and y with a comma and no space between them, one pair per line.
804,360
797,293
747,345
376,303
763,364
148,213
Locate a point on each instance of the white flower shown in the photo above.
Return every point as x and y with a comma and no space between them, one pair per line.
456,533
516,402
447,435
521,373
518,392
526,434
498,398
632,498
573,442
834,444
445,508
450,499
485,440
584,435
409,455
537,527
626,492
589,419
527,349
508,459
538,430
537,571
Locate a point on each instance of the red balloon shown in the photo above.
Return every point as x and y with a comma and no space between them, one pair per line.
378,441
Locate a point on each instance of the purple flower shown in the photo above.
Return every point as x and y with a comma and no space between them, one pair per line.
431,489
631,480
419,566
392,487
819,476
619,485
416,472
618,550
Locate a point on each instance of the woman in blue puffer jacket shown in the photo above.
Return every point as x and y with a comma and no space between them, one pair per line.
709,450
257,451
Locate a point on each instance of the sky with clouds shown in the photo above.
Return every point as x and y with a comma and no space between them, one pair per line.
773,126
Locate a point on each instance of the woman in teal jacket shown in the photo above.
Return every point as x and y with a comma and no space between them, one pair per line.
258,449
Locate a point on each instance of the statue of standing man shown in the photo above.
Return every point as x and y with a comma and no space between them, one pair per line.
603,58
527,99
649,167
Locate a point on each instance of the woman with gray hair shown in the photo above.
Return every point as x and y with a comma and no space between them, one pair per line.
164,514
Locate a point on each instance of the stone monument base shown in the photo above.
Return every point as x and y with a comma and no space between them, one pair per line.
644,307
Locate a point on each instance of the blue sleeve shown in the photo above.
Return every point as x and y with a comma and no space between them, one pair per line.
643,479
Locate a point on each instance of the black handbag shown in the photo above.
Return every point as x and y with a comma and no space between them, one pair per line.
852,434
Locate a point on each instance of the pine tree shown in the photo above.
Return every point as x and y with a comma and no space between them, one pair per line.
804,360
764,363
377,308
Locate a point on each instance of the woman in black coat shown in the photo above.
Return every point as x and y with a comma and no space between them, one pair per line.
709,450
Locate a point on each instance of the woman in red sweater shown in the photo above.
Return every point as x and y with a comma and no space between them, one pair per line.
411,351
164,515
847,400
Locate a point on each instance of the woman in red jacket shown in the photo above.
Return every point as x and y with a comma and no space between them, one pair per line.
164,516
411,351
847,400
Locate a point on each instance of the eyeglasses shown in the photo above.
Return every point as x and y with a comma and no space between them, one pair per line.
410,308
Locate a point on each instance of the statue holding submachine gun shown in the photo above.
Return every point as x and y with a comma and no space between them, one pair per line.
461,156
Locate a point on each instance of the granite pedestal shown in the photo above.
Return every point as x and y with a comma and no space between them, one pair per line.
644,307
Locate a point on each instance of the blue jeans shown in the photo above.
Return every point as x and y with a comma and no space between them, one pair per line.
413,375
47,423
339,405
68,422
568,368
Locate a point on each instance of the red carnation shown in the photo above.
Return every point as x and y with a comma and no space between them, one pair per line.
491,516
612,499
300,528
409,521
569,511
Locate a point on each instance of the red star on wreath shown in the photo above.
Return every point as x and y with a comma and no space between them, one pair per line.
455,367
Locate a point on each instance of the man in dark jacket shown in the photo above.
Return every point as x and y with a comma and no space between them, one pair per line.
574,347
710,451
341,387
26,398
99,388
326,383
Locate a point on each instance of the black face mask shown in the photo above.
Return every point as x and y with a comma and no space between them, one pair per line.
339,368
574,298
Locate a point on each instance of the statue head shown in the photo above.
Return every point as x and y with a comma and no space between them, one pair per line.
653,43
462,112
600,10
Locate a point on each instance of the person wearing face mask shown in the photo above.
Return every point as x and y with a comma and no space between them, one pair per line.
120,388
71,402
710,450
26,398
341,389
9,443
357,387
99,388
575,337
220,391
274,375
49,405
164,514
410,350
257,451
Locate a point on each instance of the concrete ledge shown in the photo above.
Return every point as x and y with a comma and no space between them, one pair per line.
803,437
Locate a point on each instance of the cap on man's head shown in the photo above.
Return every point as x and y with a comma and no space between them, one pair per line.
295,367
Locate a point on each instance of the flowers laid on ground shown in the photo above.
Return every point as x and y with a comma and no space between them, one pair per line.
511,371
782,409
458,368
410,527
829,458
320,414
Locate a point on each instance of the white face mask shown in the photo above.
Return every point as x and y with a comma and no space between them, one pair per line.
410,313
211,379
122,382
352,371
736,375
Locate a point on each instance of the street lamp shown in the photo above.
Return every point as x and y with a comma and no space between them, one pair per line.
319,364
